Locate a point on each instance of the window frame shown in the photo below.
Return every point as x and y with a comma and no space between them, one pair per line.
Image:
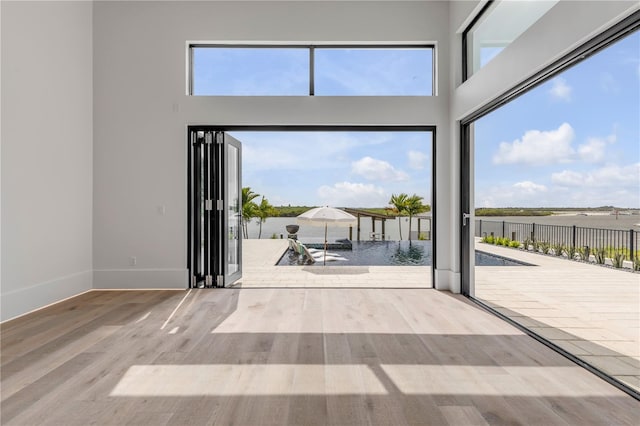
465,41
311,49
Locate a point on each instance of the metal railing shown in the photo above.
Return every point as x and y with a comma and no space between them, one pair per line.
612,240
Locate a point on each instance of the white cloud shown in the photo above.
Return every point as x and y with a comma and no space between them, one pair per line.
610,176
417,159
567,178
268,151
594,149
519,194
560,90
529,187
608,185
373,169
538,147
348,194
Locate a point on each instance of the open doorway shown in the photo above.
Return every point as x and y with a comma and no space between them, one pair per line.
288,170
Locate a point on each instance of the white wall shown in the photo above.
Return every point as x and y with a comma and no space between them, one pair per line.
141,111
47,138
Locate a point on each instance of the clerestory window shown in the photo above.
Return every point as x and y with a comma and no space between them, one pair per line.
320,70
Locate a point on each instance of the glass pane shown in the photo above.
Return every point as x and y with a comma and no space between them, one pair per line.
250,71
233,210
560,189
500,25
374,71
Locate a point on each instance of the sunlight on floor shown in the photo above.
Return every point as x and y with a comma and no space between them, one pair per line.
254,379
351,379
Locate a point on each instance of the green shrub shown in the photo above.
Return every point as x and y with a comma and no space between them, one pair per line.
536,245
514,244
488,239
584,252
505,242
636,264
599,254
274,236
422,236
527,242
557,249
545,247
617,259
571,252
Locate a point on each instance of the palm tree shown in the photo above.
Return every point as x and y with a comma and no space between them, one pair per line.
263,211
414,206
249,208
399,203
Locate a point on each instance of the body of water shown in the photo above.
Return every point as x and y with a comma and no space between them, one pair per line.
392,253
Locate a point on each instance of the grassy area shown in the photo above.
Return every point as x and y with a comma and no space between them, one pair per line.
292,211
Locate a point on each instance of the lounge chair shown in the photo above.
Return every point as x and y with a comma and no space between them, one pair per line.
309,256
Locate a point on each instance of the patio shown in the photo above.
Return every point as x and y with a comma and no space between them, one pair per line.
588,310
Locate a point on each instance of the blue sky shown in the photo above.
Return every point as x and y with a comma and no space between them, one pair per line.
342,169
285,71
573,141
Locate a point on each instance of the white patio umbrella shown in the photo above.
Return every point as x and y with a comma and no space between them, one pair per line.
326,216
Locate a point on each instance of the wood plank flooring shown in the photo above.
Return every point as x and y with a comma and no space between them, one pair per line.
296,356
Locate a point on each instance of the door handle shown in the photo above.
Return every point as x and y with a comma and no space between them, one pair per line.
465,217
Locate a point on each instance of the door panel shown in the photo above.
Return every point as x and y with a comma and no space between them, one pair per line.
233,209
214,196
467,206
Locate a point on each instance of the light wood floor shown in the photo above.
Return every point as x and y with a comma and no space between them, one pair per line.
289,356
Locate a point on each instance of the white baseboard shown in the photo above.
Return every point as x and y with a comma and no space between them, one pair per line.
447,280
19,302
140,279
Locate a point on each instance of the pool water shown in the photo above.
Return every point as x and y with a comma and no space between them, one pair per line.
394,253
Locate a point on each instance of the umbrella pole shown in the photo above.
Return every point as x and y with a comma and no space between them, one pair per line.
324,261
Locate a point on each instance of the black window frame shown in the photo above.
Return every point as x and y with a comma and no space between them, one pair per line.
311,48
465,42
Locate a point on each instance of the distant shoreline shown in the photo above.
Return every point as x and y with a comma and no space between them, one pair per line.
293,211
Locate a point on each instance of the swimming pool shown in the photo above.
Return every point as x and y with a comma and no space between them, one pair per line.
395,253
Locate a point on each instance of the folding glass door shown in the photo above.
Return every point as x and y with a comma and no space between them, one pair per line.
214,208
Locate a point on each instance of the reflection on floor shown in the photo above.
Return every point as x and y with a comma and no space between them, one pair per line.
591,311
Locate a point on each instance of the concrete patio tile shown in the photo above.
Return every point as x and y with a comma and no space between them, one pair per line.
600,306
